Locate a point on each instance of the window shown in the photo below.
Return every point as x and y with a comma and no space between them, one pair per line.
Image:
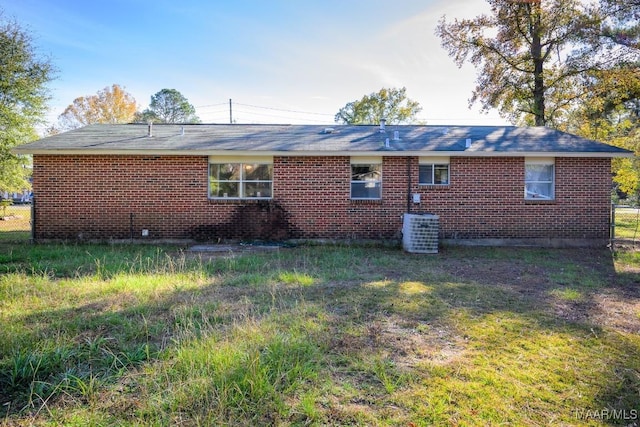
366,179
250,179
434,171
539,179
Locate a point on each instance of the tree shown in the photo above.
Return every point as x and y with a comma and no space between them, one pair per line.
612,115
24,76
391,104
169,106
109,105
621,88
622,23
611,112
528,54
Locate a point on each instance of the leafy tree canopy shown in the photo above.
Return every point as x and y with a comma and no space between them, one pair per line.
391,104
24,76
569,64
169,106
527,54
621,24
110,105
611,110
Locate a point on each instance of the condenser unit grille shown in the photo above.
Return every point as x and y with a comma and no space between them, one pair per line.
420,233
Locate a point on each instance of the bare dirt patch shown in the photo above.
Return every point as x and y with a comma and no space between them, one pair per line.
616,312
578,285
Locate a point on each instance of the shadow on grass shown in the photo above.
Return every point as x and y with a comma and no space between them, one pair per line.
371,323
15,236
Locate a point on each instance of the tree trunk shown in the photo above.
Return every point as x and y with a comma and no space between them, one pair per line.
538,69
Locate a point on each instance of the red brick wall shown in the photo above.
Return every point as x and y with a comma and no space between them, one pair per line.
106,197
115,197
485,199
315,192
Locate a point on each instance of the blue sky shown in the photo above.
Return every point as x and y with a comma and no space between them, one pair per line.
278,59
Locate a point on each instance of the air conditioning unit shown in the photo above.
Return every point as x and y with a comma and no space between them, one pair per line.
420,233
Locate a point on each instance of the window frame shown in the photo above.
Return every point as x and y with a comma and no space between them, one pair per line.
540,161
242,181
366,161
434,162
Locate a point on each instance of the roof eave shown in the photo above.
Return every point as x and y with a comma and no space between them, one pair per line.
386,153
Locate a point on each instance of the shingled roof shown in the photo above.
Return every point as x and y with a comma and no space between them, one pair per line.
210,139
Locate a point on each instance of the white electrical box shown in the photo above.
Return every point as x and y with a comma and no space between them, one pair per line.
145,232
416,197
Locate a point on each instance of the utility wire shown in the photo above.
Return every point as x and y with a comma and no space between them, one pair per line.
283,109
218,111
222,116
211,105
276,115
221,111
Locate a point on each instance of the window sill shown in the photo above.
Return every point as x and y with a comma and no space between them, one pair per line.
540,201
239,200
434,186
366,201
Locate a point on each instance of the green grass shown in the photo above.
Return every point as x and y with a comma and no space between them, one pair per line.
627,223
15,223
139,335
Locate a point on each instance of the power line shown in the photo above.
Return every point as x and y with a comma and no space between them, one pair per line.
210,105
241,115
265,108
218,111
233,106
461,120
276,115
285,110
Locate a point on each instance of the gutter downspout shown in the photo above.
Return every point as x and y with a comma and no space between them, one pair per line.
409,184
33,219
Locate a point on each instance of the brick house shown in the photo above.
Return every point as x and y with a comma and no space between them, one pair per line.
495,184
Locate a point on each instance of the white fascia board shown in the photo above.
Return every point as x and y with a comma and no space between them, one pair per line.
94,152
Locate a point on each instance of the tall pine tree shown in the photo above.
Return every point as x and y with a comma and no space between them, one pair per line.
527,54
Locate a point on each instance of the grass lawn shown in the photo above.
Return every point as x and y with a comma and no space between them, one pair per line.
15,223
627,223
139,335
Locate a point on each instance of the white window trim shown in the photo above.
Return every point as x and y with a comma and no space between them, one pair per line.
365,160
241,160
547,161
441,160
434,161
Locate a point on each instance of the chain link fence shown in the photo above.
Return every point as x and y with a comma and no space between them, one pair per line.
15,221
625,222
